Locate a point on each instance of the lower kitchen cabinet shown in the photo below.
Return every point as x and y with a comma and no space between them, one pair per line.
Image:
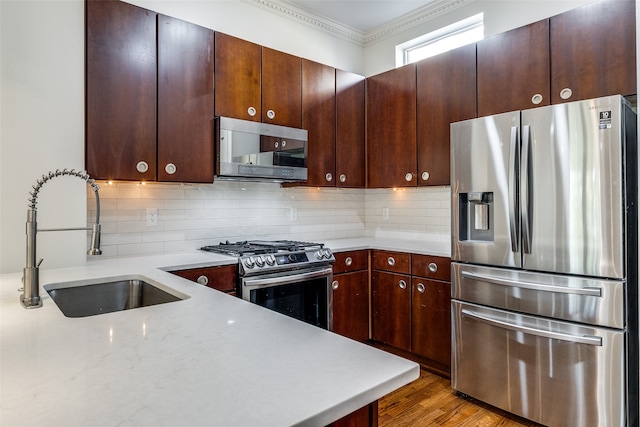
366,416
222,278
391,309
431,320
350,290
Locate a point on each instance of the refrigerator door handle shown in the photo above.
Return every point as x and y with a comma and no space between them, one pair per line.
513,195
525,190
589,291
584,339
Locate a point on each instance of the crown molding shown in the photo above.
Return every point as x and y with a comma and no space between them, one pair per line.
288,10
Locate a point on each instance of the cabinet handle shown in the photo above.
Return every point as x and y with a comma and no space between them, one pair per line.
203,280
142,167
343,177
566,93
328,177
284,143
391,261
348,261
335,285
433,267
408,177
271,114
402,284
170,168
251,111
536,99
276,144
425,176
420,288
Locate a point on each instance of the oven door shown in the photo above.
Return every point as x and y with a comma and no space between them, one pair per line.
303,294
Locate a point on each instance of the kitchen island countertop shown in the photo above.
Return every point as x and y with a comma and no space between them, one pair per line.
211,359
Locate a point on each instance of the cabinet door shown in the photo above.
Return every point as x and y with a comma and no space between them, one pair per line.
351,305
120,91
593,51
319,118
513,70
446,93
397,262
281,88
391,309
238,78
185,101
222,278
351,261
391,128
350,139
431,320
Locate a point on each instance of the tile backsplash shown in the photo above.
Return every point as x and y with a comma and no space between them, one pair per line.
191,216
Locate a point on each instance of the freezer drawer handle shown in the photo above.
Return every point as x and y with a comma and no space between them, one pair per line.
585,339
590,291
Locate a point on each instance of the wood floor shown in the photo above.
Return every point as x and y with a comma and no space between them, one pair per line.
430,401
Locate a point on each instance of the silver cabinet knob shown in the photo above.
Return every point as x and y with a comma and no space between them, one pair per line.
402,284
566,93
391,261
328,177
276,144
348,261
170,168
284,143
203,280
433,267
343,177
420,288
335,285
251,111
536,99
425,176
271,114
142,166
408,177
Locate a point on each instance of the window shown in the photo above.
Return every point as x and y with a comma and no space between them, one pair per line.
467,31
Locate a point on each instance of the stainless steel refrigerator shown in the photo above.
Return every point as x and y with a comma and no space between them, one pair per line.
545,262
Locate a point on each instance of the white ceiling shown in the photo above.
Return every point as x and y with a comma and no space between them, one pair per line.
362,15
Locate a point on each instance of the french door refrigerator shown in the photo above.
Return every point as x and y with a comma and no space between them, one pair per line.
545,262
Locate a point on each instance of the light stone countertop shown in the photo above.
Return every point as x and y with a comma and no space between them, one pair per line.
210,360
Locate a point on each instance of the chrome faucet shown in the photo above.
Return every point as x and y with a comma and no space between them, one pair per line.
31,279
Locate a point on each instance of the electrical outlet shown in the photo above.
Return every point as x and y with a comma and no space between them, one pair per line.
385,213
152,217
293,214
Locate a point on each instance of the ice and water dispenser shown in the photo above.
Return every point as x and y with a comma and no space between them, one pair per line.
476,216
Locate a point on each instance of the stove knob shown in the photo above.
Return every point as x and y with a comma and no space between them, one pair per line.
319,254
327,253
249,263
259,261
292,258
270,259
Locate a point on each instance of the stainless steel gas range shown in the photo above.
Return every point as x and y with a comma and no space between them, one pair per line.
290,277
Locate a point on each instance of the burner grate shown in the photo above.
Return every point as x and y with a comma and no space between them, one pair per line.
257,247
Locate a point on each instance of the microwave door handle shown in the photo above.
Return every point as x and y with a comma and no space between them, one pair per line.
583,339
525,190
293,278
513,195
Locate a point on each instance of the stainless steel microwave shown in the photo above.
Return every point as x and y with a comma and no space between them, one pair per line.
247,150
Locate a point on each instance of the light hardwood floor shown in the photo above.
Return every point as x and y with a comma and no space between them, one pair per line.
430,401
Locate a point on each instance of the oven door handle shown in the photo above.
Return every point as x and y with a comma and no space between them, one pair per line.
292,278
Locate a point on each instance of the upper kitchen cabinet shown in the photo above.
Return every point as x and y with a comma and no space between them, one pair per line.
593,51
319,118
513,70
391,128
185,101
238,78
350,130
120,91
281,88
446,93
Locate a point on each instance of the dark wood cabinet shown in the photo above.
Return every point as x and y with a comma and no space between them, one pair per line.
238,72
391,308
446,93
319,119
281,88
593,51
431,320
222,278
513,70
391,128
350,289
350,130
185,101
366,416
120,91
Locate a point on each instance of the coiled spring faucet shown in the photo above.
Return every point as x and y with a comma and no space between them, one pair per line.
31,279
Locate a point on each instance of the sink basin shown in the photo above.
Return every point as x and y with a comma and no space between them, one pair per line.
106,295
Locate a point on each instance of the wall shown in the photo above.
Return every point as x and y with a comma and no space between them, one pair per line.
499,16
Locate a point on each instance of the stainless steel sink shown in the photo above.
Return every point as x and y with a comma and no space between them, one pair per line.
107,295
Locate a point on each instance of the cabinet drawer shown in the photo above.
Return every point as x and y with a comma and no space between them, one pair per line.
398,262
222,278
432,267
351,261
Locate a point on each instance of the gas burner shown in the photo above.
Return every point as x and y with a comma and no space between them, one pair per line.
258,247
